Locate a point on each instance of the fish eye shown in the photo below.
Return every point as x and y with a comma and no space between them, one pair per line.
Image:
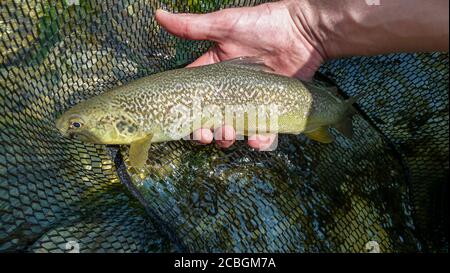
75,124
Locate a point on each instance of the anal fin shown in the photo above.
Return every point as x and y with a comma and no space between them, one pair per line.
345,127
320,134
138,153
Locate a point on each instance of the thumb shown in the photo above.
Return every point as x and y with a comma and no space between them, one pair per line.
209,57
190,26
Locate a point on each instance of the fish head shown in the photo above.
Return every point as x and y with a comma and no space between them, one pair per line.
94,121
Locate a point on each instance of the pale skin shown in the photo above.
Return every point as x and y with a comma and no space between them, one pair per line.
295,37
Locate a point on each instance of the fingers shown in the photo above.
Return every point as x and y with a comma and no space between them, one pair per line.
190,26
209,57
203,136
263,142
225,136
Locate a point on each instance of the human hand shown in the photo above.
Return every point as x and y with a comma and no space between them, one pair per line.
273,31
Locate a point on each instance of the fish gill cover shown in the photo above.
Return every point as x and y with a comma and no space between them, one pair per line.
388,184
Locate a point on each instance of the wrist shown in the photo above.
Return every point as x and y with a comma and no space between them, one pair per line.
354,27
305,16
347,28
305,46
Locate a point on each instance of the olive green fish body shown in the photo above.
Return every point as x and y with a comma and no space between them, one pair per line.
172,104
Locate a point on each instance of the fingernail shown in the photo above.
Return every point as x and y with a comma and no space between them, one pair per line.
162,11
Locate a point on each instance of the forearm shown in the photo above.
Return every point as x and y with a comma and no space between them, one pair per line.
352,27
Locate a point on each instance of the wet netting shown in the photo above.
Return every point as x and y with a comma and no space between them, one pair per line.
384,190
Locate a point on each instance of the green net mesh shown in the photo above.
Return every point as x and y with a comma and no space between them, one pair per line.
386,186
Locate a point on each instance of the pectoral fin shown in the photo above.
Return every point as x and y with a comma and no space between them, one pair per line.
138,153
320,134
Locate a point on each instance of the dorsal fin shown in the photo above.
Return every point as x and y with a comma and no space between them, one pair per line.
249,62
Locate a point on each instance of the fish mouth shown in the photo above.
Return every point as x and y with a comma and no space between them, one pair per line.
59,125
84,136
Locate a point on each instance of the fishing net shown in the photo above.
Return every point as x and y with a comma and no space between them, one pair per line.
384,190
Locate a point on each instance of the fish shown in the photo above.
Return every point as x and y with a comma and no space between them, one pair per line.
171,105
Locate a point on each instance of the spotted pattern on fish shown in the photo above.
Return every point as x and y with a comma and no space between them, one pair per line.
146,103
